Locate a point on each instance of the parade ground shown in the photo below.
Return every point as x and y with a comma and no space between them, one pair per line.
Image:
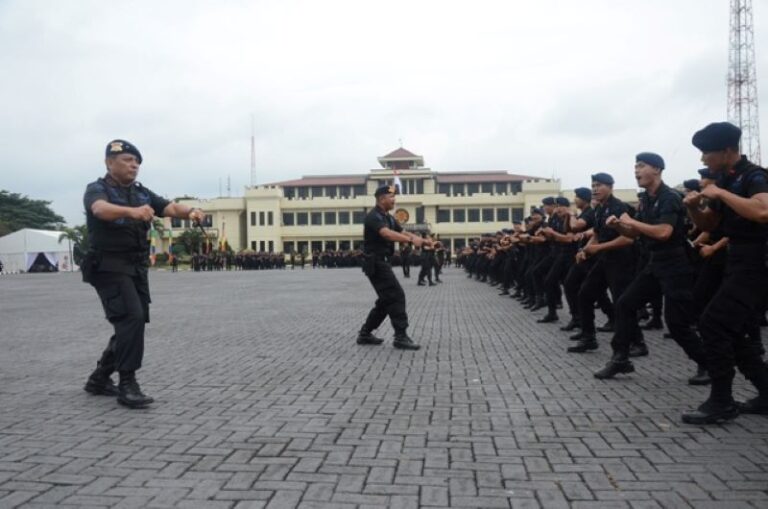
263,399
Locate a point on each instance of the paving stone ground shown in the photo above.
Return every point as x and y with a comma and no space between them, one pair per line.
264,401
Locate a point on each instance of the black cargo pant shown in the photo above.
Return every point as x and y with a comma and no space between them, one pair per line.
670,273
391,297
561,264
611,270
573,281
730,314
406,260
125,299
427,261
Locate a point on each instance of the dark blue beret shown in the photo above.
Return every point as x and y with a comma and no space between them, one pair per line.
692,185
717,136
584,193
650,158
537,211
549,200
562,201
385,190
706,174
518,222
603,178
117,147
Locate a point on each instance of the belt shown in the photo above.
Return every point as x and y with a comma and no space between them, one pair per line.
663,254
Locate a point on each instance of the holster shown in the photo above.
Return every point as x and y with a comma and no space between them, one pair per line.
89,264
369,265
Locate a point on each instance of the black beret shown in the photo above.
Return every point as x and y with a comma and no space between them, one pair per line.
692,185
549,200
603,178
562,201
584,193
116,147
537,211
717,136
385,190
706,174
650,158
518,222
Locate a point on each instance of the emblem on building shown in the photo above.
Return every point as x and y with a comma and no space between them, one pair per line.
402,216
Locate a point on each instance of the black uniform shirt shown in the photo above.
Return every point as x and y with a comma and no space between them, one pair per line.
613,207
588,216
666,207
373,242
746,180
124,235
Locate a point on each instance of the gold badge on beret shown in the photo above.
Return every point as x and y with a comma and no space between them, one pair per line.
116,146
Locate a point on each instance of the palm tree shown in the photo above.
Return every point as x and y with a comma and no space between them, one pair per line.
78,242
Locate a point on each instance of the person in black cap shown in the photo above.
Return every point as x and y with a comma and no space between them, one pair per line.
544,254
660,224
614,266
119,211
380,232
564,250
739,204
578,271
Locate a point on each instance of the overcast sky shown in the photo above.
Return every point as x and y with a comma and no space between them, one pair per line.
562,88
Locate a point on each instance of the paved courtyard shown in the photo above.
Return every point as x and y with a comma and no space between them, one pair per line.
264,400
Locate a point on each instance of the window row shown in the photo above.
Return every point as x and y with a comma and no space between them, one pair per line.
409,186
328,217
485,215
468,189
264,218
309,246
305,192
185,223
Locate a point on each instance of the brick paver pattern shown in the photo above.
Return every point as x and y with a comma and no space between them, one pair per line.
264,400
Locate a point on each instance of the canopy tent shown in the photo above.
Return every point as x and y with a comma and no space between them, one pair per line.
39,250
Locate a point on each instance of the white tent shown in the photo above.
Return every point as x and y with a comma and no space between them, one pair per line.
20,249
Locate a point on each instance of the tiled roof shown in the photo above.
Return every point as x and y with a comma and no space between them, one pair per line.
482,176
400,153
330,180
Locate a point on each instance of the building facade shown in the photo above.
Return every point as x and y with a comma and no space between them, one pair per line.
327,212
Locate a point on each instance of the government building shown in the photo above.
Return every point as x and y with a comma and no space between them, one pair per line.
327,212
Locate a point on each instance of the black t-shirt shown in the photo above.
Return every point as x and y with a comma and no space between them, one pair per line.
588,216
745,179
125,236
613,207
373,242
666,207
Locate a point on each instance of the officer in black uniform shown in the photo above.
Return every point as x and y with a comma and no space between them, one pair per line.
564,250
380,233
118,213
660,224
739,204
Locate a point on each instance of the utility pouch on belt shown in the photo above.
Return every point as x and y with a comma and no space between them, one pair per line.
369,265
89,263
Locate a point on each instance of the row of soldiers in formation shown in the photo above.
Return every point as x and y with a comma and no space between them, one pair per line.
431,258
701,250
216,261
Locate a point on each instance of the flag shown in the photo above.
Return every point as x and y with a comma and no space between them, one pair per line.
398,184
223,241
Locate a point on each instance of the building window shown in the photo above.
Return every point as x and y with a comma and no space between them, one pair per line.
317,245
357,244
344,217
287,218
261,218
270,218
262,245
358,217
175,222
253,245
289,192
253,218
502,215
344,245
458,189
271,246
472,189
345,191
288,247
459,215
317,192
359,190
443,215
330,191
516,187
419,215
330,217
444,189
473,215
459,243
517,214
330,245
501,188
303,192
186,223
302,246
486,187
302,218
316,218
420,186
487,215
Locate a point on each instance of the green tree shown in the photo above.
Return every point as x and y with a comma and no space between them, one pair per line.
192,240
78,236
18,212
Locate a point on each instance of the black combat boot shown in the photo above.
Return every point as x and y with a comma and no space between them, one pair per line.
701,377
367,338
757,405
613,368
100,383
638,349
572,325
586,343
541,303
130,393
403,342
719,407
548,318
581,335
607,327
